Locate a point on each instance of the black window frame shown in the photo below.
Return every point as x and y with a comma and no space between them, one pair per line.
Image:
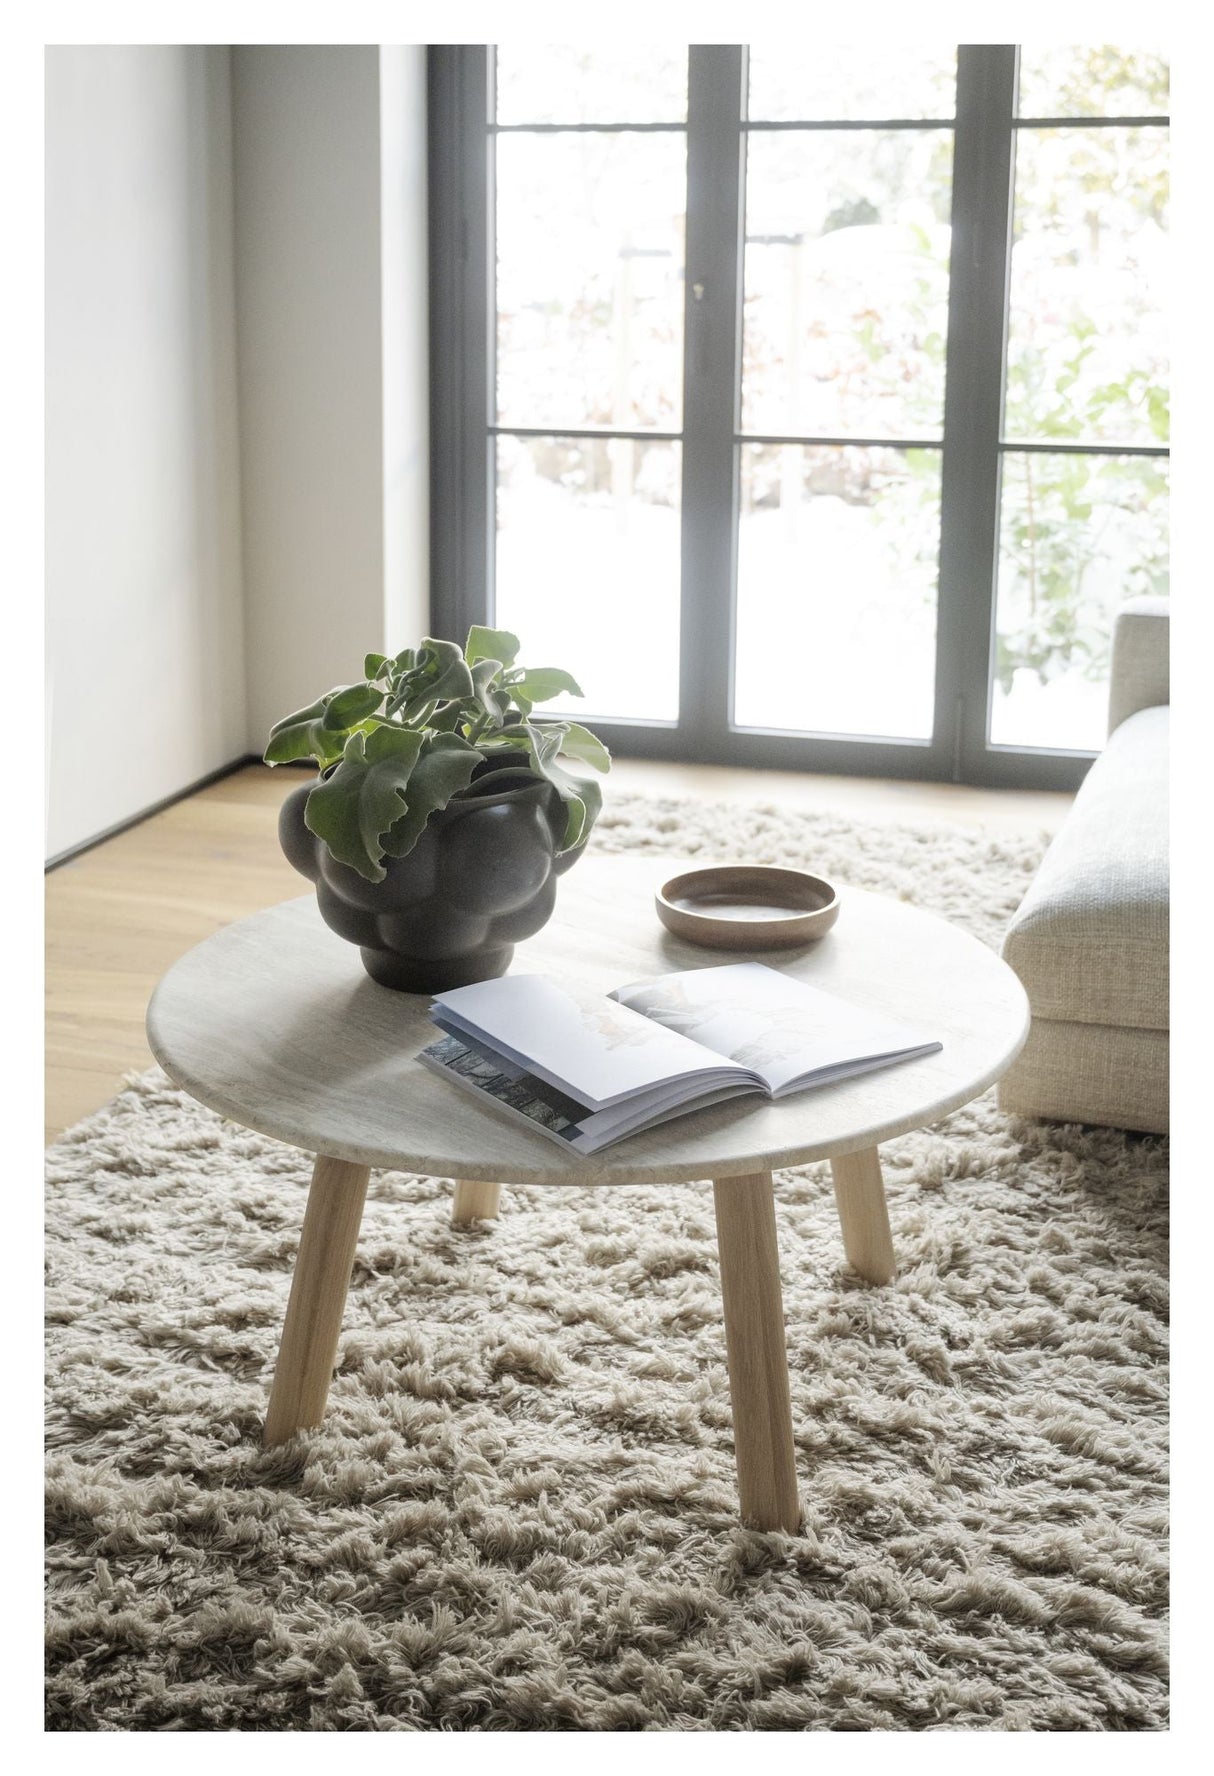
462,133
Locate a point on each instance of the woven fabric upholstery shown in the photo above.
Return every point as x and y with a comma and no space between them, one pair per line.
1091,1073
1139,677
1090,939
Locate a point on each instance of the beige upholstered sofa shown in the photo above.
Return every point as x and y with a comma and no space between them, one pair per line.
1090,940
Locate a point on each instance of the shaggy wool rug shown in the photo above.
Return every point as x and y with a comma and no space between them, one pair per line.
520,1512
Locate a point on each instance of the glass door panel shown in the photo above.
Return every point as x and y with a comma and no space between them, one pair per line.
846,294
836,82
844,333
1078,536
1082,527
1087,327
589,223
588,567
590,312
838,556
565,83
1092,80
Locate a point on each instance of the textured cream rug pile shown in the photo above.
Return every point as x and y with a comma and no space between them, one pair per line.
520,1512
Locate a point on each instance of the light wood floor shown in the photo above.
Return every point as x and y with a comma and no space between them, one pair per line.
117,916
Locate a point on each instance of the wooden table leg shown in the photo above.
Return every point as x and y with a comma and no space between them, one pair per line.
754,1342
863,1216
474,1201
308,1349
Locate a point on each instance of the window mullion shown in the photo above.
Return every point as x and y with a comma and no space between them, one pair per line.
712,349
461,319
980,264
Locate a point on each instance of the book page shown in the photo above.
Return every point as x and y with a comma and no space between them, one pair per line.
590,1046
547,1111
773,1025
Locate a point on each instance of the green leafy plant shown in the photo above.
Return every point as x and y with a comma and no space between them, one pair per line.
409,738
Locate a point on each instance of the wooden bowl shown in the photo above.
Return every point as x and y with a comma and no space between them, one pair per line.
747,906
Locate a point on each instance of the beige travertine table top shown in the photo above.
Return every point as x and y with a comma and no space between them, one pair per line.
273,1022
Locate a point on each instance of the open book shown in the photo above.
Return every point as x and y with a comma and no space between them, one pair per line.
589,1069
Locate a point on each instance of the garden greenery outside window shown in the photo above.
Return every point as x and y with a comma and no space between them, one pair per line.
813,406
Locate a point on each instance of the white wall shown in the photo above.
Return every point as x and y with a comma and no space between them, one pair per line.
145,670
237,426
331,324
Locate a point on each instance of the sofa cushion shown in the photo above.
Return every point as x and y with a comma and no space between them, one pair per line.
1090,940
1091,1073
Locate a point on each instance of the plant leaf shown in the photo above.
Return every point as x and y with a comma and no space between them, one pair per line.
405,689
444,768
352,809
489,699
541,683
581,812
491,644
580,743
513,736
374,664
447,672
582,795
354,704
303,735
440,675
447,719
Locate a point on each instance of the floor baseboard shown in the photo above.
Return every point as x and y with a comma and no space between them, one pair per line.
179,795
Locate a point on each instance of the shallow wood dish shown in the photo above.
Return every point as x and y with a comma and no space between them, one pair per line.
747,906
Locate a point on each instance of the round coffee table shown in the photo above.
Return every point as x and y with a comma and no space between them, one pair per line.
273,1022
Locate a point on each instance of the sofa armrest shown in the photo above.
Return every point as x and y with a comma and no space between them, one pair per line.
1139,675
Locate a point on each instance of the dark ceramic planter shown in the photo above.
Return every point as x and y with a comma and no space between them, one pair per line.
481,877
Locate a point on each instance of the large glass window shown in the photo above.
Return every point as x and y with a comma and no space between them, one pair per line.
1083,526
845,315
811,407
589,229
